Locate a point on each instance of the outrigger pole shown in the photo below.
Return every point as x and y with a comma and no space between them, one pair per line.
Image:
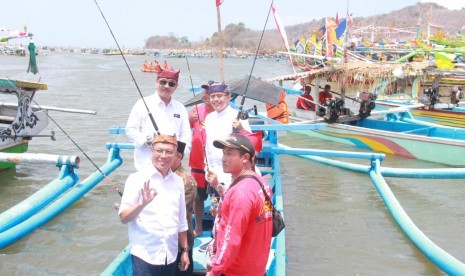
130,72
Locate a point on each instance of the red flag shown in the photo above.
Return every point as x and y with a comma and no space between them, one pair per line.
337,18
219,2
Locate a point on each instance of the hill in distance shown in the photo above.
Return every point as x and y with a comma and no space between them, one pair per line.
237,37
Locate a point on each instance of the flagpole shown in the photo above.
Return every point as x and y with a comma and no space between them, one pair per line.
220,41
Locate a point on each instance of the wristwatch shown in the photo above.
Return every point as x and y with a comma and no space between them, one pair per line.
184,249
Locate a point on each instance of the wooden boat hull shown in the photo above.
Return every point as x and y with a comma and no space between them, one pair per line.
18,148
148,70
443,114
18,124
445,117
373,135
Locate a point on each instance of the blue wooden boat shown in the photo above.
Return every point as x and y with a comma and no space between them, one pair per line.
399,134
270,169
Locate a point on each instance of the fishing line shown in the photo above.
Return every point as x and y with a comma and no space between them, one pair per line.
240,113
198,114
83,152
130,71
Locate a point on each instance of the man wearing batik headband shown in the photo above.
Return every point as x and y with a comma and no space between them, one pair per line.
170,117
219,125
153,206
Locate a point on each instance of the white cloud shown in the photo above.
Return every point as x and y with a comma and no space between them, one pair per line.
450,4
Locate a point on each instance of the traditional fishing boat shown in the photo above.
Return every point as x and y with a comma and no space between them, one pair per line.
270,169
21,122
397,132
147,70
443,103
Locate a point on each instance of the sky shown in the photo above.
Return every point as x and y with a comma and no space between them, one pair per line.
80,23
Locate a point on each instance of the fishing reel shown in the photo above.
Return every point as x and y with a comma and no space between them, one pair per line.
367,104
244,115
334,110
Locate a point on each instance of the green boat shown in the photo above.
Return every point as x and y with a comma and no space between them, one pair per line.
19,121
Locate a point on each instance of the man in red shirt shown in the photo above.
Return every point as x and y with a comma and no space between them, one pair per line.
244,218
197,155
302,101
324,95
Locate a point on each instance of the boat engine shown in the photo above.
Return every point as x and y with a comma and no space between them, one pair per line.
367,104
432,95
334,110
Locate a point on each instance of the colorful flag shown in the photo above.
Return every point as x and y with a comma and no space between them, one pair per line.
219,2
330,26
32,59
444,60
282,32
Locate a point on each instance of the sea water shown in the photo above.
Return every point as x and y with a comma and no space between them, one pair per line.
336,223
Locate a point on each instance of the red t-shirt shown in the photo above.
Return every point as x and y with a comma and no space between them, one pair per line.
244,231
303,104
322,97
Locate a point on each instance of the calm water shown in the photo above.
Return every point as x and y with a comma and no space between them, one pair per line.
336,222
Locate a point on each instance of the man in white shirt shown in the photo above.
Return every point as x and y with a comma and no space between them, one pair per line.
153,206
219,125
170,117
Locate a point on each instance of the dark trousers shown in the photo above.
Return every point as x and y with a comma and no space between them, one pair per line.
142,268
190,269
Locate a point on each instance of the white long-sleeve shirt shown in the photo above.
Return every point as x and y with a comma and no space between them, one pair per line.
218,126
153,234
170,119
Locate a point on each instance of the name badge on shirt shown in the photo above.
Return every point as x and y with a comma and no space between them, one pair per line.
177,116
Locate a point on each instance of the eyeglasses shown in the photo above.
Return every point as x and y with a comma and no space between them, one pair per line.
217,95
161,151
164,82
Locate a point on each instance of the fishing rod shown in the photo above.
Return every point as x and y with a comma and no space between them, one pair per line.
240,114
130,71
198,114
83,152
